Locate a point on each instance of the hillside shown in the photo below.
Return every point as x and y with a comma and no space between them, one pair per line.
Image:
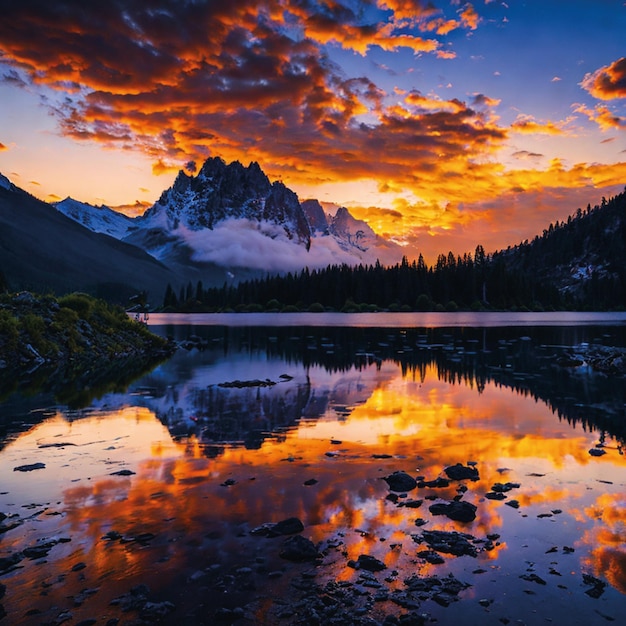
43,250
583,258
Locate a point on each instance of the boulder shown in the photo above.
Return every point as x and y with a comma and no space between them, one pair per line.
457,511
299,548
400,481
461,472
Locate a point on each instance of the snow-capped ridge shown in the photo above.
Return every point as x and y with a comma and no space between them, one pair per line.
234,217
99,219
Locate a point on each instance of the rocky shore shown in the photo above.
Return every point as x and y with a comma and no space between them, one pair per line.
608,360
73,336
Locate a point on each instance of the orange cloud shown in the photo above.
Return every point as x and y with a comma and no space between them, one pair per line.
469,18
608,82
228,79
527,125
2,147
253,80
133,210
602,116
416,99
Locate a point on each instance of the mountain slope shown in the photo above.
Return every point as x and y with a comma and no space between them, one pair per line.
43,250
353,237
100,219
583,258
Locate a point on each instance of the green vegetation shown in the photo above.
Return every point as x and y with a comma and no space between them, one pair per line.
69,338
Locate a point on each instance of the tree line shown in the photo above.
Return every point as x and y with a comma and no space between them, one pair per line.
578,264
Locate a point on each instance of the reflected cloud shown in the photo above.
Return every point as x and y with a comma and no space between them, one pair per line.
163,484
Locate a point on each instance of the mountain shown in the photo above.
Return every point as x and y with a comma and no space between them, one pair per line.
353,237
43,250
221,192
99,219
231,221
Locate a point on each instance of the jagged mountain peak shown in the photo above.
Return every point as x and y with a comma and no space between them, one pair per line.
223,202
232,217
223,191
318,220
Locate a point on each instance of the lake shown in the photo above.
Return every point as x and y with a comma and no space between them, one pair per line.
158,501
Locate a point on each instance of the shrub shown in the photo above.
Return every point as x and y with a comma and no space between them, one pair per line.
424,303
79,302
34,328
9,330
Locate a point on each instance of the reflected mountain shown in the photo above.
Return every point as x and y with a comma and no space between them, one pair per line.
239,386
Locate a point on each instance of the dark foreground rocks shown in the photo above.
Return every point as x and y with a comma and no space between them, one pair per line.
608,360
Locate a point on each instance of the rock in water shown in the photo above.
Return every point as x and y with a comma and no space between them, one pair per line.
299,548
461,472
457,511
29,468
400,481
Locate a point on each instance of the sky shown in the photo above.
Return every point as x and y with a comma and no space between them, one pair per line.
443,124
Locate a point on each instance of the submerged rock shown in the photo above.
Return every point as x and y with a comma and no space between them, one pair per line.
449,542
368,563
289,526
29,468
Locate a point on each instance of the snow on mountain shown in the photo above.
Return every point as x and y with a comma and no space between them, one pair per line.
5,183
353,237
220,192
99,219
233,217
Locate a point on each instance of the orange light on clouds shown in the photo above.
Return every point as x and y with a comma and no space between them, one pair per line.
311,92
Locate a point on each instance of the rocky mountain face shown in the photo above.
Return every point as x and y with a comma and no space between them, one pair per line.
318,220
220,192
230,220
353,236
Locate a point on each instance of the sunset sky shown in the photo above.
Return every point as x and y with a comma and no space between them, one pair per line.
444,124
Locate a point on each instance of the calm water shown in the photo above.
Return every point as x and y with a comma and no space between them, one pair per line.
222,438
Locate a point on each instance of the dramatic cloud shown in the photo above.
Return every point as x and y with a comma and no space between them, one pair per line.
182,81
310,90
608,82
2,147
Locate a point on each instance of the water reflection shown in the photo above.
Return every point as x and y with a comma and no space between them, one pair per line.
162,484
314,373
